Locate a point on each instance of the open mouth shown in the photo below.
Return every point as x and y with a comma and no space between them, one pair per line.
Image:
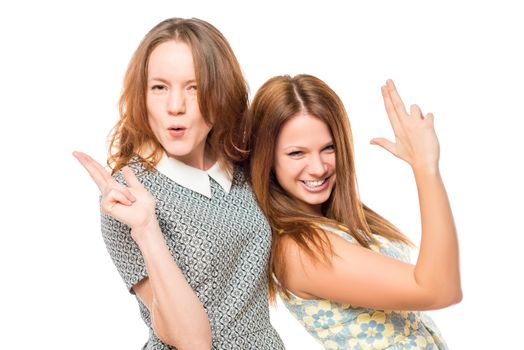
176,131
316,185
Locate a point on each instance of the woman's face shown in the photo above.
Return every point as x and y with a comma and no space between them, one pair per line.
172,103
305,160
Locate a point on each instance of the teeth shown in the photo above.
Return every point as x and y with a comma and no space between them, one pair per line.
314,183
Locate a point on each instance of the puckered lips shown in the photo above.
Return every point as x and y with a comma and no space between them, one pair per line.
176,130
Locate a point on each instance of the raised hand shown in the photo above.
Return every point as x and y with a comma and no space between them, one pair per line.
132,205
415,138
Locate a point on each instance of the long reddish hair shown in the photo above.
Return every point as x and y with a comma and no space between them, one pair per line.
222,94
278,100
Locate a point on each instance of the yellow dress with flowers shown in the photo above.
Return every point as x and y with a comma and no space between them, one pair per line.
342,326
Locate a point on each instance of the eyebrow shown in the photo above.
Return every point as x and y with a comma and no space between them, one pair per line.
158,79
190,81
302,148
299,147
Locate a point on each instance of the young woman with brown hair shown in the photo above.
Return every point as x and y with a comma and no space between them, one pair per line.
342,269
178,218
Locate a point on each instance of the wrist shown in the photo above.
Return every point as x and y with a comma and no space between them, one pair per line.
148,229
425,169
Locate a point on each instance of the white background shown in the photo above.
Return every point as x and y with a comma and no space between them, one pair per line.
61,70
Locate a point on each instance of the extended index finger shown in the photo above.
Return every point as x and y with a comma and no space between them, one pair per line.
390,110
395,98
97,172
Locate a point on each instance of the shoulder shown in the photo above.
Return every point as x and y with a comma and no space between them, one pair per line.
240,183
303,251
311,251
238,176
289,265
307,257
300,261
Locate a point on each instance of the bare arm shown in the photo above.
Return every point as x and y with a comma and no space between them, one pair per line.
362,277
178,317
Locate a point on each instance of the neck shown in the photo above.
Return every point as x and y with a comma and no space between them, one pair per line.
203,160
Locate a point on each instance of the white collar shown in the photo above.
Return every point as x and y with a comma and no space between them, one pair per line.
194,178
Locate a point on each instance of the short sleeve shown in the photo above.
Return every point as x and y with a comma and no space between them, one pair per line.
123,250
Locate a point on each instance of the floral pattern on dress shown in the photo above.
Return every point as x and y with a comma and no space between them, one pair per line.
341,326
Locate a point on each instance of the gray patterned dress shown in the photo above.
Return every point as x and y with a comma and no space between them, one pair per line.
222,246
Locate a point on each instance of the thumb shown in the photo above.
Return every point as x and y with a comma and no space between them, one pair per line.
384,143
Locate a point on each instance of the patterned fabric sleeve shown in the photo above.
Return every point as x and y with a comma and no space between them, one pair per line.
123,250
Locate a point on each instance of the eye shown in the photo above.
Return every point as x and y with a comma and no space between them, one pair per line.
330,148
158,88
192,89
295,153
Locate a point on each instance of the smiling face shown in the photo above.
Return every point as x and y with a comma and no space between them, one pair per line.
304,161
172,103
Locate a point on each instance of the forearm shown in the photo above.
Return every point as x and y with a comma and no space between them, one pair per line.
177,314
437,267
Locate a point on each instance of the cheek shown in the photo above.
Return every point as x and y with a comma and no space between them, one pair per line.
199,120
330,160
286,172
203,130
152,121
205,126
152,111
149,104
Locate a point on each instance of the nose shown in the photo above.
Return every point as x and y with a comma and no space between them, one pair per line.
176,104
317,166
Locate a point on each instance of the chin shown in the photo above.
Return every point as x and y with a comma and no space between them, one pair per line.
315,201
175,151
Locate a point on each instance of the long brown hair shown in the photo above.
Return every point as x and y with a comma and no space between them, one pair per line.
278,100
222,94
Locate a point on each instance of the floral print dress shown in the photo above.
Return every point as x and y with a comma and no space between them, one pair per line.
342,326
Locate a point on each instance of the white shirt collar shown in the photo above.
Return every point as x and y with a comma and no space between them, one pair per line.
194,178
